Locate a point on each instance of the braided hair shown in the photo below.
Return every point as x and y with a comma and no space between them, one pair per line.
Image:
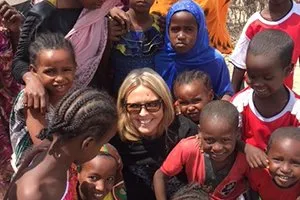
190,192
49,41
80,111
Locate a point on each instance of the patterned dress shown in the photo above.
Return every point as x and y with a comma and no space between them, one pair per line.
8,90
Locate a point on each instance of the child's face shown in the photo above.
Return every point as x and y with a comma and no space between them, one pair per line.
183,31
192,97
141,5
265,74
218,138
92,4
284,162
56,70
97,177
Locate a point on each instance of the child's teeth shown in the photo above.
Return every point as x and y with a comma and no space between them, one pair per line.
145,121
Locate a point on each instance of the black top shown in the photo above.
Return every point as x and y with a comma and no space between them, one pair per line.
42,17
142,158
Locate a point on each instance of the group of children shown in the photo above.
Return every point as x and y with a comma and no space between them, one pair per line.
251,142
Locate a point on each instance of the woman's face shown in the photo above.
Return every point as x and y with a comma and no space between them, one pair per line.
183,31
148,118
97,177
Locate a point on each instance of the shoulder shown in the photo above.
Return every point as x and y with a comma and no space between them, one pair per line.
29,193
295,103
183,127
242,99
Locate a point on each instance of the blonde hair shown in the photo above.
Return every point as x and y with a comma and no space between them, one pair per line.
150,79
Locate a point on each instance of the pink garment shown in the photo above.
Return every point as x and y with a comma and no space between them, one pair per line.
89,37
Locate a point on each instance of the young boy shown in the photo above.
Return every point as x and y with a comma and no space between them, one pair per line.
267,104
281,15
211,158
281,181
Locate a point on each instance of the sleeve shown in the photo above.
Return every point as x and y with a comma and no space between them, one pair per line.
21,60
175,160
223,81
238,56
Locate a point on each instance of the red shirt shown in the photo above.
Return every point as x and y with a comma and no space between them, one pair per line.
262,182
187,155
290,24
256,128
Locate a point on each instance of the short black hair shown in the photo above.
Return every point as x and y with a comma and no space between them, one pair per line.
49,41
191,192
274,43
220,109
187,77
288,132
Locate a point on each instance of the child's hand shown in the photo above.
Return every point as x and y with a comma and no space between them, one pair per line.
255,157
115,30
35,95
121,17
161,21
10,17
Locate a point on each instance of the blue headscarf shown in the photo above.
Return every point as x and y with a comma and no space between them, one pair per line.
168,63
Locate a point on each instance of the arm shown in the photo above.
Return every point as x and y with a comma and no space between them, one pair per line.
35,122
159,182
256,158
237,78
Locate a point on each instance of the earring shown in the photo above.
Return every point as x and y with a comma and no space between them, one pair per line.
57,155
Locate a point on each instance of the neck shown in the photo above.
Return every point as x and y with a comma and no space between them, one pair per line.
139,18
57,159
68,4
278,11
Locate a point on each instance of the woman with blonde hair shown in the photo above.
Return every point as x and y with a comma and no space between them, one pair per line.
148,130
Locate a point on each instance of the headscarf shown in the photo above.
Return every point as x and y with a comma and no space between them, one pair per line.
108,149
89,37
168,63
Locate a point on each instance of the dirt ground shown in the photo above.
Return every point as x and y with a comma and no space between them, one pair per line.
239,12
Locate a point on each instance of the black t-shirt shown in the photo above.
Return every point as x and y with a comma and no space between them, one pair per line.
142,158
42,18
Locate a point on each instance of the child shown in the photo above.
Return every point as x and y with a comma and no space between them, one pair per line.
83,121
282,15
192,91
101,177
281,181
137,48
210,159
190,192
187,48
52,61
267,104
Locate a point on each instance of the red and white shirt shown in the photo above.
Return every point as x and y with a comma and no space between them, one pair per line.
256,128
290,24
262,182
187,155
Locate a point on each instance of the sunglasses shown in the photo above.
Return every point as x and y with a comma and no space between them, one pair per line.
151,106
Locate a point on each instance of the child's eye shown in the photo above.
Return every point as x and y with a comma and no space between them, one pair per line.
174,29
68,69
268,78
226,139
209,140
93,178
110,180
49,71
276,160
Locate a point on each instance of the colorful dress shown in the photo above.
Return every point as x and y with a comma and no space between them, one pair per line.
8,90
135,50
19,135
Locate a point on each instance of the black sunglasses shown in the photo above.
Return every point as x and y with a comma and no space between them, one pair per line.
150,106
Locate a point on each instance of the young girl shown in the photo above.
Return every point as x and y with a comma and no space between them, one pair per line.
187,48
83,121
138,47
52,61
192,91
101,177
